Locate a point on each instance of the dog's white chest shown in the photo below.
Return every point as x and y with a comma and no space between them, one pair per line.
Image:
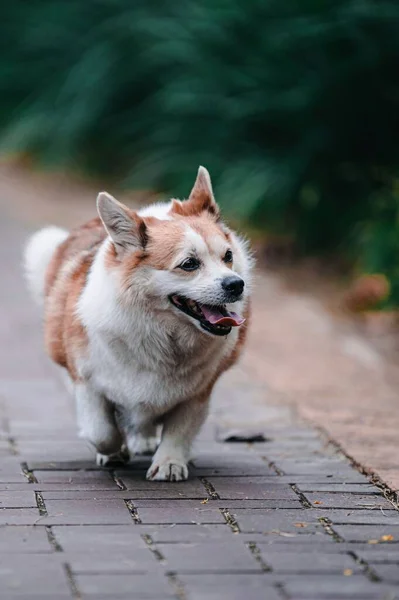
158,379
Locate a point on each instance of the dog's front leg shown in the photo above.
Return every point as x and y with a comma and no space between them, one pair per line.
179,430
96,422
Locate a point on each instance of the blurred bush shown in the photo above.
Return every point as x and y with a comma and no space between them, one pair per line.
292,105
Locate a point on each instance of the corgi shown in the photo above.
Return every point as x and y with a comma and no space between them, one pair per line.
143,311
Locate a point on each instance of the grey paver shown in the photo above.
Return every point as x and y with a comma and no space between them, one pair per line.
227,556
232,587
138,586
23,540
86,512
346,500
329,587
308,562
17,499
41,575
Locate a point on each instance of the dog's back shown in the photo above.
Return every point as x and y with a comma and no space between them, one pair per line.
56,266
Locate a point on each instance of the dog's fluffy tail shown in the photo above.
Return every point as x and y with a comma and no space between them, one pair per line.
37,256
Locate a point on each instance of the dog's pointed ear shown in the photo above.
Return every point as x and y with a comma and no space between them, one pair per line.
201,198
124,226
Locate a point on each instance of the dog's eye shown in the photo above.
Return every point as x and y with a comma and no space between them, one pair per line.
190,264
228,257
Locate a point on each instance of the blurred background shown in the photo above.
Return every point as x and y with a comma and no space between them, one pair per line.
292,106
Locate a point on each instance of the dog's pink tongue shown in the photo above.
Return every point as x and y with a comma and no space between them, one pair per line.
214,316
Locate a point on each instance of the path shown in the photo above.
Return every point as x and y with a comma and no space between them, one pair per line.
285,518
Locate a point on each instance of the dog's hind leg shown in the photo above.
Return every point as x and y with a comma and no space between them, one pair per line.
97,424
140,431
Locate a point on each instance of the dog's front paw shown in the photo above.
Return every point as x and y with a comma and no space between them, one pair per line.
168,470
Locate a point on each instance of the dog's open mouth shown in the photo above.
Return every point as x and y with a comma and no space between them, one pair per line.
215,319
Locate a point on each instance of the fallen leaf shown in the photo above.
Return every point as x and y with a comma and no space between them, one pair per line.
300,525
317,502
278,532
348,572
387,538
372,541
205,501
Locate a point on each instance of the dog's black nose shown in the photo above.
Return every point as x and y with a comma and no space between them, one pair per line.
233,285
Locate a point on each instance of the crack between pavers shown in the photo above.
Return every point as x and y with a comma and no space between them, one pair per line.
133,511
72,582
256,553
367,570
230,520
28,473
41,505
273,466
118,481
280,589
302,498
12,442
56,546
210,490
152,547
177,585
327,526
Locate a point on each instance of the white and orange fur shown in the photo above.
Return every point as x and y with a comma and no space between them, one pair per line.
133,359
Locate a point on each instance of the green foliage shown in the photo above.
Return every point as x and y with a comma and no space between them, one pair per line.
293,106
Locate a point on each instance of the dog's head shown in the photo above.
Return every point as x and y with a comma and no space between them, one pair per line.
179,257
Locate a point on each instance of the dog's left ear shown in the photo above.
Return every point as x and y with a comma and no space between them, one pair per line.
201,197
124,226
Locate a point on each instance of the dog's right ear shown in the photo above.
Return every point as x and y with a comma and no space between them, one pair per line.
126,229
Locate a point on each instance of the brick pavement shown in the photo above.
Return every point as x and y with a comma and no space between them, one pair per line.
284,518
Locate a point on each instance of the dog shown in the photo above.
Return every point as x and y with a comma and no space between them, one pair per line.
144,311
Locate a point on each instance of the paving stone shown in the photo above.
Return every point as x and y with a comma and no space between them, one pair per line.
364,533
19,516
141,488
46,450
186,533
374,554
11,471
64,465
231,470
140,587
388,573
267,521
40,575
228,556
329,587
351,501
23,540
361,516
175,514
314,467
309,562
99,538
251,488
113,561
86,512
18,499
318,543
91,479
231,587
